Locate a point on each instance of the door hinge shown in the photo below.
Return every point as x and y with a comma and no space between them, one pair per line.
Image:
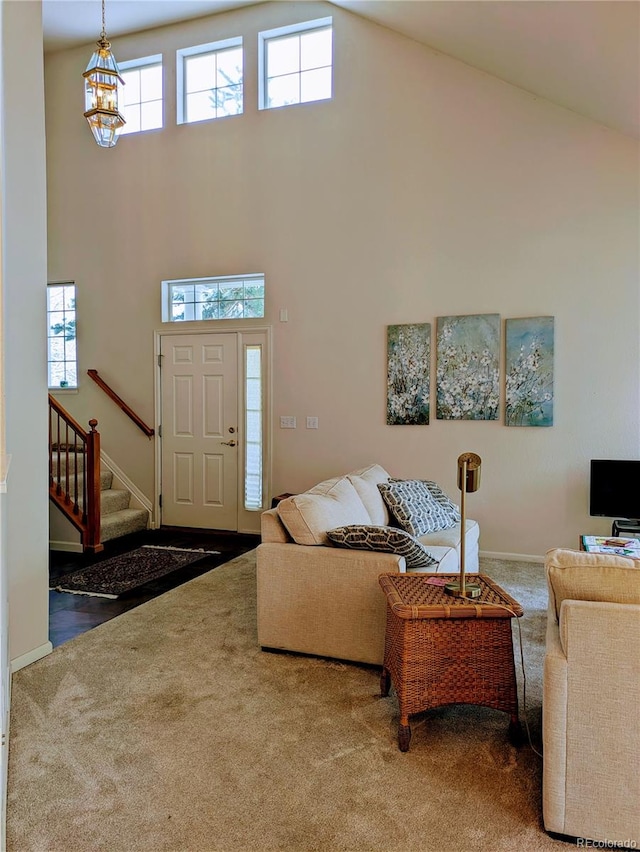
159,360
160,501
160,431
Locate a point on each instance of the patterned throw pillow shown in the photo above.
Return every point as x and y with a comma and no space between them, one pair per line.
384,539
414,507
447,504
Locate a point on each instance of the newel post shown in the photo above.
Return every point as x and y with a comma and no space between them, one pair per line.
92,541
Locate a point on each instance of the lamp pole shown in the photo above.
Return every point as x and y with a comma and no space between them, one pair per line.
463,516
468,480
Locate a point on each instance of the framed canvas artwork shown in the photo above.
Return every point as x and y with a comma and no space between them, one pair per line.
468,369
408,362
529,371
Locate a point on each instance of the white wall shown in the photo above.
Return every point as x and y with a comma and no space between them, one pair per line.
423,188
24,272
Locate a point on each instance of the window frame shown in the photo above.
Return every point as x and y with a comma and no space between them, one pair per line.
167,303
279,32
197,50
63,388
137,64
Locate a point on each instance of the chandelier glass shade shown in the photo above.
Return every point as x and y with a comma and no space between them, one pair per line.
101,81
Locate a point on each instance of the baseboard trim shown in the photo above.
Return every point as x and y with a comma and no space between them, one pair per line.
512,557
67,546
31,657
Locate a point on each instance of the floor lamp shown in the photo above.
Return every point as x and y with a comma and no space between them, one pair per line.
468,481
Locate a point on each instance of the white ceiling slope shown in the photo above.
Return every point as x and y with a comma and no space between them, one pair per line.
581,54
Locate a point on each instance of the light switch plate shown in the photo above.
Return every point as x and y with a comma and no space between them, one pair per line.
287,422
312,422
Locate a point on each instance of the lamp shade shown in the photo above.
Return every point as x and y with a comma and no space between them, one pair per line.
101,96
469,472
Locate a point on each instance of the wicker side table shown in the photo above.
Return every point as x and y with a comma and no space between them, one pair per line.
441,649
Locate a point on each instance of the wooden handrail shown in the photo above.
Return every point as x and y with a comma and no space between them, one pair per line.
148,431
74,473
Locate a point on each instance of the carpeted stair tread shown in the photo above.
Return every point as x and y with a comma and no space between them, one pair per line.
67,462
106,478
123,522
113,500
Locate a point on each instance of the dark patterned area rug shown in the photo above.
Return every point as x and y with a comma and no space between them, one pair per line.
113,577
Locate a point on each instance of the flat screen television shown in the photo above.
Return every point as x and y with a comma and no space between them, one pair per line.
614,488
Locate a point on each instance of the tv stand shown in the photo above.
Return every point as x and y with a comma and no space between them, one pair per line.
626,526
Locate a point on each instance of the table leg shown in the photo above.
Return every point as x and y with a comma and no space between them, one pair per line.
404,733
515,733
385,682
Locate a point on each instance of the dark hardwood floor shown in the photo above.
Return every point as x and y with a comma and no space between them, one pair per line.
70,615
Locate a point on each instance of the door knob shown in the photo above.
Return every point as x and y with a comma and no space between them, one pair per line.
231,443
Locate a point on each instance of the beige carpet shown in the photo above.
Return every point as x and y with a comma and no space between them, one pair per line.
167,728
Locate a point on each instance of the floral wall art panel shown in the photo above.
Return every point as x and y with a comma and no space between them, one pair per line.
468,371
529,371
408,388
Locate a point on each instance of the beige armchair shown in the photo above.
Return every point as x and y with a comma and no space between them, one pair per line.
591,701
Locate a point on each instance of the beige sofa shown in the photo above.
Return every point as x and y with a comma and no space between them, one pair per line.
591,700
316,598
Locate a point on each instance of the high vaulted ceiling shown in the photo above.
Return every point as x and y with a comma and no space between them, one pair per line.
582,54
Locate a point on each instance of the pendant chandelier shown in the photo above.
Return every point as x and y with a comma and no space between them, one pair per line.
101,93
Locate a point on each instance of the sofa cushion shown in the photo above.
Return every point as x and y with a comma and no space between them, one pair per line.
414,507
384,539
365,481
581,576
329,504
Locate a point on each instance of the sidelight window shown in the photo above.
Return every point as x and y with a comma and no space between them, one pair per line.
253,427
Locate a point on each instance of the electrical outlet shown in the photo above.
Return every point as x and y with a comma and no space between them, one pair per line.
312,422
287,422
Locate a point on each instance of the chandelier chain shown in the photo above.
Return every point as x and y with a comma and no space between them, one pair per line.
103,34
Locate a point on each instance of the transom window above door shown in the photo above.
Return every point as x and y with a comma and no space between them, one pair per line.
218,298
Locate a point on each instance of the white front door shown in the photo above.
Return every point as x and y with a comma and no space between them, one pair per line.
200,441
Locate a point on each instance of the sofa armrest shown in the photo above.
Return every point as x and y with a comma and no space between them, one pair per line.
272,528
323,600
591,721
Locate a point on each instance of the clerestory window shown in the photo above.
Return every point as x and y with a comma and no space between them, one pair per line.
295,64
140,99
210,81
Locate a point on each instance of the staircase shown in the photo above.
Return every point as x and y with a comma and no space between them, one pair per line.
84,488
117,516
